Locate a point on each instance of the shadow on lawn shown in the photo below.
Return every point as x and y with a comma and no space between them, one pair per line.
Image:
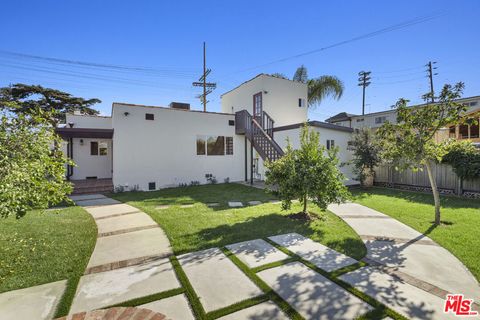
270,225
451,202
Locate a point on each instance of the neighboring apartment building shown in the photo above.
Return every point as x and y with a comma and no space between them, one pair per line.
146,148
376,119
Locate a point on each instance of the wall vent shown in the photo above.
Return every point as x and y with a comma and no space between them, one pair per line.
151,186
149,116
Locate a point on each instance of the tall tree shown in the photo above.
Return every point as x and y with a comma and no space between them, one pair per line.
307,173
319,88
366,155
29,99
32,172
410,142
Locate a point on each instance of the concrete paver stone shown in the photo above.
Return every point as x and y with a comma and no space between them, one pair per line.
110,210
314,252
311,294
96,202
263,311
257,252
216,280
235,204
124,222
39,302
103,289
175,307
254,203
87,197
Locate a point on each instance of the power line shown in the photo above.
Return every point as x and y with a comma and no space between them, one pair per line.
375,33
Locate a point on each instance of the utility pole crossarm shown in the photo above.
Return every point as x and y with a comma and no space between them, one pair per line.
364,81
208,87
430,74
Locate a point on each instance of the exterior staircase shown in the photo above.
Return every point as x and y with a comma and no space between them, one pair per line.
92,186
259,131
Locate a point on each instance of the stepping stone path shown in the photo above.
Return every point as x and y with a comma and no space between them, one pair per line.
111,287
410,272
235,204
406,299
275,201
255,253
263,311
314,252
311,294
254,203
175,307
39,302
216,280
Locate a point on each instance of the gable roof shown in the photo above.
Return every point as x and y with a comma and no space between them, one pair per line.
342,116
257,76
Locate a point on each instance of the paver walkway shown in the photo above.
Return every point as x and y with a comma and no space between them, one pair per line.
412,258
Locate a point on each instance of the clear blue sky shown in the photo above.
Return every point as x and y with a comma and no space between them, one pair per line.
167,36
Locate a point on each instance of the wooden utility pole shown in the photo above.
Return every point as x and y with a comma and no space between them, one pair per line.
430,73
208,87
364,81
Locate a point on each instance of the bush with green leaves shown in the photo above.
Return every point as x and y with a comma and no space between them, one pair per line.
307,173
32,166
366,154
464,158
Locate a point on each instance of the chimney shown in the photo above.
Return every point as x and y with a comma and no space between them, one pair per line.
179,105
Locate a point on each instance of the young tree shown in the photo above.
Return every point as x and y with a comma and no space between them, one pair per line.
307,173
32,172
30,98
366,155
410,142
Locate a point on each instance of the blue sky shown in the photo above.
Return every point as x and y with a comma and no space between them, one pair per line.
164,39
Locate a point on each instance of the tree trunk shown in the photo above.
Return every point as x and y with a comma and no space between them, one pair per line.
305,204
436,195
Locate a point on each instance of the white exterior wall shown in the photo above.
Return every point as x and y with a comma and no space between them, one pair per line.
280,100
88,165
92,122
164,150
341,140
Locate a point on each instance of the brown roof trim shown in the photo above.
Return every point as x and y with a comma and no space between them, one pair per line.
317,124
84,133
168,108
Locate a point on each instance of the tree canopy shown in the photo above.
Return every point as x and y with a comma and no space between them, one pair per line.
410,142
32,171
307,173
29,99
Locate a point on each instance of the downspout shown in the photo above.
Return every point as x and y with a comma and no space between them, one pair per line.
246,160
70,156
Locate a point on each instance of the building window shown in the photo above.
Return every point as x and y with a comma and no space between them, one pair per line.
379,120
151,186
301,102
201,145
94,148
149,116
102,148
360,120
231,122
229,145
330,144
216,146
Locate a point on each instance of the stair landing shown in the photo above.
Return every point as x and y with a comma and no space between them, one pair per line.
92,186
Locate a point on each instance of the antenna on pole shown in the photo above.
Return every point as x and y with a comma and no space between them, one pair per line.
208,87
364,81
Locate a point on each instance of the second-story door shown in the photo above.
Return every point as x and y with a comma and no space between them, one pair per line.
258,107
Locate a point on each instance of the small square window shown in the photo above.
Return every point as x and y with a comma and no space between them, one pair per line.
94,148
231,122
102,148
151,186
149,116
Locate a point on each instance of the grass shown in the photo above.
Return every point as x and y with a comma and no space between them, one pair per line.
46,246
200,227
459,233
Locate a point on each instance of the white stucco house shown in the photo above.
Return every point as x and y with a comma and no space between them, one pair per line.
143,147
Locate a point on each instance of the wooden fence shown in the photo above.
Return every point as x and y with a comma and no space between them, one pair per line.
447,180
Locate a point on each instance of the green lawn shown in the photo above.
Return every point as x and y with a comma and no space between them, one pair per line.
460,233
46,246
200,227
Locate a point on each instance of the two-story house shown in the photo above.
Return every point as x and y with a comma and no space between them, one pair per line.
143,147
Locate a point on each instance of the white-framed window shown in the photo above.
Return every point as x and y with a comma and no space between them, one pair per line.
98,148
301,102
214,145
380,120
330,144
